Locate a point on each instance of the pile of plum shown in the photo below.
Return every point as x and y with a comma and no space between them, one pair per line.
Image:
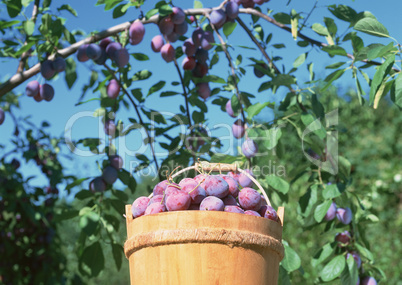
228,193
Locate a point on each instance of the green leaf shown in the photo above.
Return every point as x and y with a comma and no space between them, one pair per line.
76,183
335,65
332,77
140,56
321,210
365,252
65,214
93,257
314,124
372,27
291,261
379,51
343,12
255,109
14,8
83,194
141,75
272,137
68,8
197,4
282,18
331,191
334,50
234,101
117,251
397,91
29,27
278,183
322,254
320,29
299,60
156,87
379,76
89,222
228,28
71,74
284,80
350,274
165,10
333,269
110,4
119,11
150,13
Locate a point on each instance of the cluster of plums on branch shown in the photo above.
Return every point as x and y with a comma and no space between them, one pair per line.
48,69
249,147
109,175
228,193
345,239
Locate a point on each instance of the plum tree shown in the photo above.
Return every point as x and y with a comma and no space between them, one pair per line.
205,51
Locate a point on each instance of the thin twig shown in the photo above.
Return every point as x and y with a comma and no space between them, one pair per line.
184,92
139,117
26,54
228,56
264,53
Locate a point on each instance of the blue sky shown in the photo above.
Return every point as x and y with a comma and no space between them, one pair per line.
91,18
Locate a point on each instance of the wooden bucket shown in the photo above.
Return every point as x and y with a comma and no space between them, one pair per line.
204,247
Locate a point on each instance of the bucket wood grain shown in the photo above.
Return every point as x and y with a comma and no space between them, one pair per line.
203,247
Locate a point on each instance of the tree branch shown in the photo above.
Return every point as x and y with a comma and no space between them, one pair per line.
20,77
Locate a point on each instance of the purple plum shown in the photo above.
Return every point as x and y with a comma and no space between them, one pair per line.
139,206
109,175
97,185
229,109
215,185
168,52
32,88
217,18
249,148
344,215
166,26
250,199
331,213
178,15
157,43
113,89
59,64
212,203
203,90
136,32
238,129
47,69
232,9
188,63
46,91
94,51
116,161
233,209
188,47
